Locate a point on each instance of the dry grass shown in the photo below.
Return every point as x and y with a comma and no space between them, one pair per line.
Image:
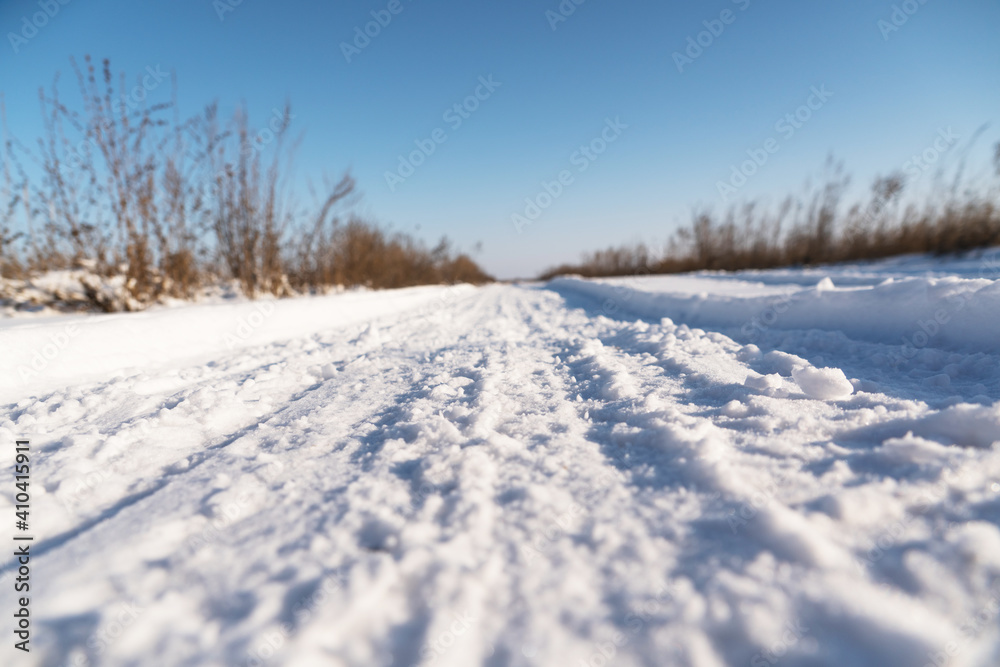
172,205
817,228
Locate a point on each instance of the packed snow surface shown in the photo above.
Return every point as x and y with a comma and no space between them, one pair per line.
777,468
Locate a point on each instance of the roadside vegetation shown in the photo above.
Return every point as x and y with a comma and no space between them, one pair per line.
817,227
162,207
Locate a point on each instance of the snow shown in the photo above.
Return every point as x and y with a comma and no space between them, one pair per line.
826,384
45,352
952,313
699,470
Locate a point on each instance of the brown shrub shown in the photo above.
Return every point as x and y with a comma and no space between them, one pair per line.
814,229
174,204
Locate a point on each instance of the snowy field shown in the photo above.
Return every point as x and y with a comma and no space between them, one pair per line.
797,468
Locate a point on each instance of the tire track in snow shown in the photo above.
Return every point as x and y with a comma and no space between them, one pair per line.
773,523
355,383
116,413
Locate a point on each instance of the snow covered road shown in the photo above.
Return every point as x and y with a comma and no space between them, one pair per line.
537,475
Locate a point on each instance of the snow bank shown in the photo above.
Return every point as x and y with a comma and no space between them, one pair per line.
57,292
946,313
44,353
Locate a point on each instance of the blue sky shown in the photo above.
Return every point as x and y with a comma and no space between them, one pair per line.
891,93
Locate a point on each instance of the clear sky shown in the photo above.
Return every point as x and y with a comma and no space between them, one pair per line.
560,82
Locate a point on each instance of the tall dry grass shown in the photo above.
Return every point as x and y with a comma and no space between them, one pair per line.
128,188
817,227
